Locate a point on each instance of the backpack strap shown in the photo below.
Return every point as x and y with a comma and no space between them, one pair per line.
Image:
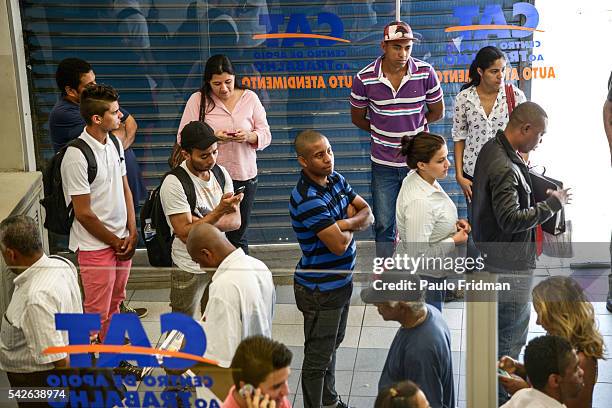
181,174
92,165
115,141
220,176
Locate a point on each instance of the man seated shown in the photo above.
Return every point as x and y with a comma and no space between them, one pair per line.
420,351
241,293
260,369
553,371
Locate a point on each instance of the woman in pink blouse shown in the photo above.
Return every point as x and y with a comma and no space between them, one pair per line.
239,121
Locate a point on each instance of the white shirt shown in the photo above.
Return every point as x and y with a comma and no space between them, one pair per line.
47,287
426,218
241,304
470,123
106,195
532,398
174,201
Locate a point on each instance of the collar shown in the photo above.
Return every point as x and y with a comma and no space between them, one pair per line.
512,154
472,95
534,395
31,271
331,179
412,67
228,261
424,186
93,142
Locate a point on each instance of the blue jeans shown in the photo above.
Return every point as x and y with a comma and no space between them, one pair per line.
513,312
325,318
386,184
238,238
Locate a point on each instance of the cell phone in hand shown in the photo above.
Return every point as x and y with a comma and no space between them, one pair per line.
503,373
239,190
231,134
246,390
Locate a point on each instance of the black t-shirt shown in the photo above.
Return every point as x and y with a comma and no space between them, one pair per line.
610,88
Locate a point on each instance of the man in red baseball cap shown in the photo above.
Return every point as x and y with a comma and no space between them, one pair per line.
395,96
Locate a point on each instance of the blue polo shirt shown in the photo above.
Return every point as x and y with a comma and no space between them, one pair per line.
66,123
313,208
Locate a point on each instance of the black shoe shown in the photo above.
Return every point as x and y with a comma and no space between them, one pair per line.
126,369
140,311
609,305
341,404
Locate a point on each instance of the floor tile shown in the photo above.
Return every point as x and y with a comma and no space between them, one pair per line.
298,356
605,324
294,380
458,342
355,317
151,295
361,402
287,314
288,334
373,319
345,358
605,370
453,318
285,295
155,309
600,308
602,395
371,359
365,383
299,400
377,337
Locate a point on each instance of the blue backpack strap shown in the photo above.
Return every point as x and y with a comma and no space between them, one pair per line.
181,174
92,165
220,176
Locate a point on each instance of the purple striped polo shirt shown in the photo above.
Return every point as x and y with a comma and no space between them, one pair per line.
395,114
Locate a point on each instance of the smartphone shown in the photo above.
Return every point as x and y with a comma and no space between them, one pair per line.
247,389
503,373
232,134
239,190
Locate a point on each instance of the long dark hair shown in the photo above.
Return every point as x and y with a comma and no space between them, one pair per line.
215,65
485,57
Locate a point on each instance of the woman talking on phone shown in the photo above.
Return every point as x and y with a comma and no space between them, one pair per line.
240,123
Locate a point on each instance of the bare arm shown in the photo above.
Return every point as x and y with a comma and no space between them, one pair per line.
126,132
91,222
63,363
129,244
362,219
435,111
607,116
358,117
336,240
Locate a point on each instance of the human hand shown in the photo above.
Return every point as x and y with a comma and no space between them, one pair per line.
229,203
512,385
564,196
466,186
462,224
128,248
460,237
117,244
240,136
256,400
351,211
224,136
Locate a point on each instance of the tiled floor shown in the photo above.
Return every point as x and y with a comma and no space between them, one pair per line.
363,352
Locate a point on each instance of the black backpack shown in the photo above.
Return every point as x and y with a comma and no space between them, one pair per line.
153,224
59,216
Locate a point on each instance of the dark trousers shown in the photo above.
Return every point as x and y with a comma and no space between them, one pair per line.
325,318
238,237
30,380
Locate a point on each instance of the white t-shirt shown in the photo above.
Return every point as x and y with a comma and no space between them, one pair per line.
174,201
532,398
241,304
106,195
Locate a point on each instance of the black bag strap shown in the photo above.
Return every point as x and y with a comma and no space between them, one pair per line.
115,141
92,165
220,176
181,174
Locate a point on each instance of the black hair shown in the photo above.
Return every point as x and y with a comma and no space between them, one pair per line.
215,65
21,233
420,148
399,395
96,99
69,72
546,355
485,57
256,357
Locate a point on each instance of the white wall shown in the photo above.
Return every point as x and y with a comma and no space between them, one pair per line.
577,42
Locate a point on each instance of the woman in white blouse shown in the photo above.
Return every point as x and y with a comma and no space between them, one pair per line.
480,110
427,219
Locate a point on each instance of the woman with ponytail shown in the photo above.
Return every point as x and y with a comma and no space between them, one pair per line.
480,110
427,219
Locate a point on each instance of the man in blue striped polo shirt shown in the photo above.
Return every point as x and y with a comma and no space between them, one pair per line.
325,211
392,97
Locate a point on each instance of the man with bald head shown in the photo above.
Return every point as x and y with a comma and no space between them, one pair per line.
325,211
241,293
506,216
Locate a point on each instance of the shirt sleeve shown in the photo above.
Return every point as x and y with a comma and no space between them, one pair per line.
358,98
74,173
172,196
315,215
223,328
122,165
460,123
433,93
190,114
38,327
65,124
260,124
229,184
348,190
423,370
